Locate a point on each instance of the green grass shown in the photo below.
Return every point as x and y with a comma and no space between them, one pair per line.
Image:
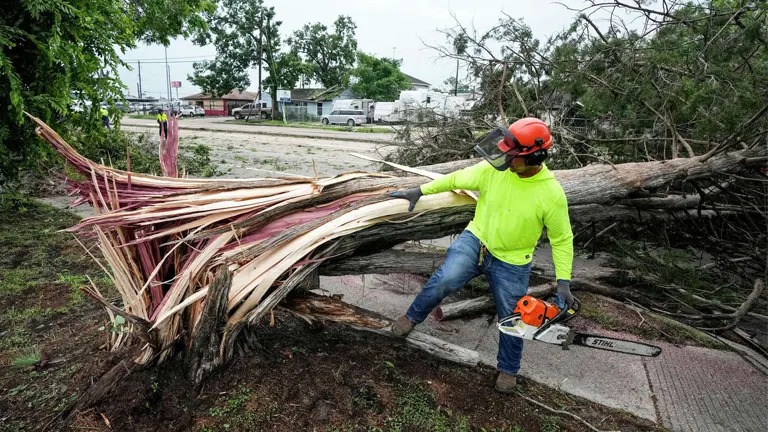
16,280
277,123
550,424
26,358
35,256
148,116
416,409
18,322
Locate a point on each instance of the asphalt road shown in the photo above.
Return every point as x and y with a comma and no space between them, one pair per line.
220,124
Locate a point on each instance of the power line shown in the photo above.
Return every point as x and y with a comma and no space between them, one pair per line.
163,62
169,58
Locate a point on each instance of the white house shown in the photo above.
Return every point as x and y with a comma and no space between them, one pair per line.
418,84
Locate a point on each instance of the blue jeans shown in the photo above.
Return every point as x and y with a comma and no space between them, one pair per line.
508,283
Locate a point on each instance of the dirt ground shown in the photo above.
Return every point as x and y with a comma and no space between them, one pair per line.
301,378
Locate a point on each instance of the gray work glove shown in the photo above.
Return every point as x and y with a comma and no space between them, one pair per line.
411,195
564,293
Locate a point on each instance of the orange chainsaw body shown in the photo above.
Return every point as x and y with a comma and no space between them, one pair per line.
535,312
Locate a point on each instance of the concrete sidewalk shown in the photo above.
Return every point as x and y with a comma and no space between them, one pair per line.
219,124
685,389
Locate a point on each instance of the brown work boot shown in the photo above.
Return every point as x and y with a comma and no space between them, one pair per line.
402,326
506,383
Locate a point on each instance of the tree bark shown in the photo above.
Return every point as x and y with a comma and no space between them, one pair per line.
205,354
425,263
592,193
475,306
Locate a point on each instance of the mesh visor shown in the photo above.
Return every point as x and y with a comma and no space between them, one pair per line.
498,147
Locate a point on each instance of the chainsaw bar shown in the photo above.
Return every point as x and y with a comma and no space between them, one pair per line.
558,334
611,344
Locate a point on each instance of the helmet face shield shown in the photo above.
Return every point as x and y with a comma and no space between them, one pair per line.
499,147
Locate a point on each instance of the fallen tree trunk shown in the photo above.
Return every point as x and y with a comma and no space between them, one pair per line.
486,303
397,261
267,231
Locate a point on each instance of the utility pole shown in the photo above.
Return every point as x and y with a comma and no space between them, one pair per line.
261,54
167,76
140,80
456,83
393,53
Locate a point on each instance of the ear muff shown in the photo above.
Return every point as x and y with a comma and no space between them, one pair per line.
536,158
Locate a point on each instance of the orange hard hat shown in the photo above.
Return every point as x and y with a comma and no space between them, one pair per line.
526,136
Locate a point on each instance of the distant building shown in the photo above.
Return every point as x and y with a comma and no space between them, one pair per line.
317,102
223,105
417,84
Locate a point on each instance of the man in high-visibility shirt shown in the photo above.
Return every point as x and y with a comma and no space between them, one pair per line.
104,118
162,120
518,197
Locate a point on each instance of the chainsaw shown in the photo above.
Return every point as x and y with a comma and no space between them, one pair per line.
535,319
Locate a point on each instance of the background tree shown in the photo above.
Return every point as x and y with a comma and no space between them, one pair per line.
284,68
331,54
246,35
236,32
378,78
52,51
449,86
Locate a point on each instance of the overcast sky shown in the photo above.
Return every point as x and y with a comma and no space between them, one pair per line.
382,26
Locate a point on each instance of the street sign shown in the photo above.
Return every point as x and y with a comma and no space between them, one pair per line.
283,95
176,84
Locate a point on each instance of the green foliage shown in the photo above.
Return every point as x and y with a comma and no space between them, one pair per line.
331,54
378,78
198,162
366,398
26,358
705,70
246,35
550,424
231,405
416,410
112,146
52,51
449,86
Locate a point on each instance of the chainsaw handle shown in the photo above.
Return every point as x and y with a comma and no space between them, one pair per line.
561,317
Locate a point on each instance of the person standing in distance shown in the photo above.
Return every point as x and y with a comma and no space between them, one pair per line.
162,121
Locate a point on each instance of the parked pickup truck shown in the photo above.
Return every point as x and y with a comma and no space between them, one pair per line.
242,112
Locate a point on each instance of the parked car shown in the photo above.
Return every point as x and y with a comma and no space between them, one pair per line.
124,107
189,110
347,117
199,111
243,111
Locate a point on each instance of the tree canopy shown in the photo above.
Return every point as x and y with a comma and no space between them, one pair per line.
331,54
686,79
246,35
450,86
378,78
51,51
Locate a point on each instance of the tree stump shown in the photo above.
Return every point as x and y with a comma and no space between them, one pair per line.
205,353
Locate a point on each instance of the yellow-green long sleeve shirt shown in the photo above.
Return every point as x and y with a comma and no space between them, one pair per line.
512,211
